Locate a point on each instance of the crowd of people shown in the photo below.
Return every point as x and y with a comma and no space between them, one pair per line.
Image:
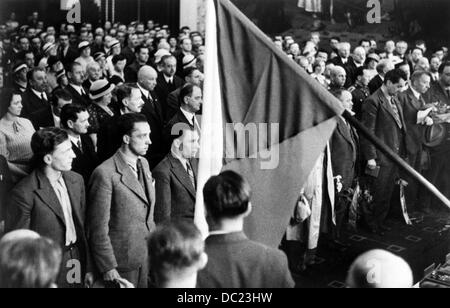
99,134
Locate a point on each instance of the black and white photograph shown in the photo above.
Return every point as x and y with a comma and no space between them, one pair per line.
236,147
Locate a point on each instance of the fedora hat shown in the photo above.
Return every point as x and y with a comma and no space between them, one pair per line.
100,88
435,135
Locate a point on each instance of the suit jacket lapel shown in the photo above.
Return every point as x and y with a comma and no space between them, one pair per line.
417,104
181,174
48,196
387,106
128,178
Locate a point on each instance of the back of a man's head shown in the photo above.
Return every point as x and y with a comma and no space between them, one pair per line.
379,269
226,196
176,254
29,263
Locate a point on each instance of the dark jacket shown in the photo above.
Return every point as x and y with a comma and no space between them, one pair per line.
236,262
153,112
86,160
411,106
375,84
31,103
163,89
378,117
42,118
78,99
175,194
344,153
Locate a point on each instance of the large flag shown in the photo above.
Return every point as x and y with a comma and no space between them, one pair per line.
263,117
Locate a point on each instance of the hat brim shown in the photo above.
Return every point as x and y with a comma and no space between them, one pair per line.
99,95
435,135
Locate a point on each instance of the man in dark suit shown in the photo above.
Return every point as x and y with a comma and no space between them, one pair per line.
234,260
5,185
191,100
344,159
345,61
66,53
383,67
192,76
122,199
129,101
131,71
439,173
75,87
167,82
382,114
50,116
412,102
51,202
176,179
34,98
75,120
152,110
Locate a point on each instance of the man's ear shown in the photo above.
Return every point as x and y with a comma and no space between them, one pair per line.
178,144
48,159
70,124
126,139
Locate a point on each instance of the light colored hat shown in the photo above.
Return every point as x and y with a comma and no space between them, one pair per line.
188,61
160,54
374,56
19,66
99,55
114,43
100,88
83,45
47,47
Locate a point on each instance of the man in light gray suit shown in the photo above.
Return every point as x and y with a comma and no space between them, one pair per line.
121,206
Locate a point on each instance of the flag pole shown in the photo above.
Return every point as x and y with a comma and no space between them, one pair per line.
395,157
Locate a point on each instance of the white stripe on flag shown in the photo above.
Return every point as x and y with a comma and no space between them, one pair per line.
211,143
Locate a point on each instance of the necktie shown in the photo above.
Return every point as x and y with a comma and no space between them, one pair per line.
141,175
43,97
396,113
191,174
79,145
448,93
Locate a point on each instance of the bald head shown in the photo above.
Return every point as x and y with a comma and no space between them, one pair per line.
147,77
379,269
19,235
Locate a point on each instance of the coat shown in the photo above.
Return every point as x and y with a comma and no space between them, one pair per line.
120,216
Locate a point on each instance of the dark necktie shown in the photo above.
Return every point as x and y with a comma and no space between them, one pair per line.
79,145
396,113
448,93
191,174
141,175
43,97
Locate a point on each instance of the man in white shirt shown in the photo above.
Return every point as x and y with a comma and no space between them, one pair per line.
51,202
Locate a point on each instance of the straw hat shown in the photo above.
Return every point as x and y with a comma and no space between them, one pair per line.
100,88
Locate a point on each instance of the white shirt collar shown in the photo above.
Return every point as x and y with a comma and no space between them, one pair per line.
416,94
74,140
57,120
182,160
39,94
189,115
144,91
168,79
79,89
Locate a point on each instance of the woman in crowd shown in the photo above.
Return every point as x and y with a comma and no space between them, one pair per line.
100,94
15,135
318,74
